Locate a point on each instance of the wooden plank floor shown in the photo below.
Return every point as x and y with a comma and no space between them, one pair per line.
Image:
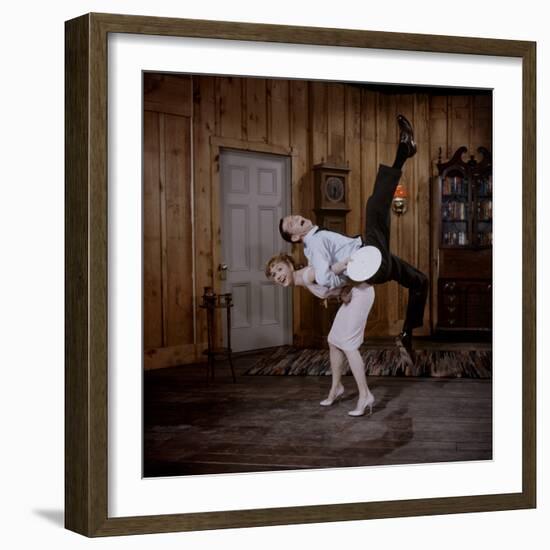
275,422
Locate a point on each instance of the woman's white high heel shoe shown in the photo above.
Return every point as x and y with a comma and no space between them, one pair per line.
362,405
328,401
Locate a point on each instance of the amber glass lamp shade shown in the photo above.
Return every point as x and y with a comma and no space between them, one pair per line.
400,200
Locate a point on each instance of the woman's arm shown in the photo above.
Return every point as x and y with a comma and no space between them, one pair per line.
339,267
320,260
303,277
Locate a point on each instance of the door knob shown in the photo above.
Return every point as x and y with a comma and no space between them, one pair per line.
222,268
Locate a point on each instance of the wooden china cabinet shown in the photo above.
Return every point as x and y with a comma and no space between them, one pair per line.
462,235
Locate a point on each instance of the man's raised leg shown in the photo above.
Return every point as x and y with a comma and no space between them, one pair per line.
377,233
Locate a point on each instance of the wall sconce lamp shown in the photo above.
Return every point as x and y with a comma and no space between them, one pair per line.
400,200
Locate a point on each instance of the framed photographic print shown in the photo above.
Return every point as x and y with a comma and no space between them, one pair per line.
221,181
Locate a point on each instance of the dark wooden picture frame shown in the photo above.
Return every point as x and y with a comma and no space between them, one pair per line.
86,223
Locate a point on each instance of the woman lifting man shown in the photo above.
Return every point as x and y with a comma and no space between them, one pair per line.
329,254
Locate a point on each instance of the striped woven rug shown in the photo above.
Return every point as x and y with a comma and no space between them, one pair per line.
379,362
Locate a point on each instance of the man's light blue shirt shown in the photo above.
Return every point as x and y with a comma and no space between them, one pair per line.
324,248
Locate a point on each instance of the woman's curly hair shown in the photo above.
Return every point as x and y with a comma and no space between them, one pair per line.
282,257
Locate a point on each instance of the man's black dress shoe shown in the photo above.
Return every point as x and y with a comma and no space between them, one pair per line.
406,135
404,341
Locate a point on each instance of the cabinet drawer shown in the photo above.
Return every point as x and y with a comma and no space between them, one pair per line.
465,264
450,299
465,304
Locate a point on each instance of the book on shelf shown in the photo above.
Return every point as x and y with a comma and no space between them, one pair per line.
454,186
454,210
455,238
485,210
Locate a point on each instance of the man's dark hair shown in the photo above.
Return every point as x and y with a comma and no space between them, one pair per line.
284,234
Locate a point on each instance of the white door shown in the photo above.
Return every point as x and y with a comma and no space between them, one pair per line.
255,195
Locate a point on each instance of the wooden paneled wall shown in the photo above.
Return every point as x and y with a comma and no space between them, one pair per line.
312,122
168,297
459,120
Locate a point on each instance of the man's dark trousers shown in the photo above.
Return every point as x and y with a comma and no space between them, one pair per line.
393,268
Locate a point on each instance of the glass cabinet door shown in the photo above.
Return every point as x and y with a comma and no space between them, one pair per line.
483,229
455,211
